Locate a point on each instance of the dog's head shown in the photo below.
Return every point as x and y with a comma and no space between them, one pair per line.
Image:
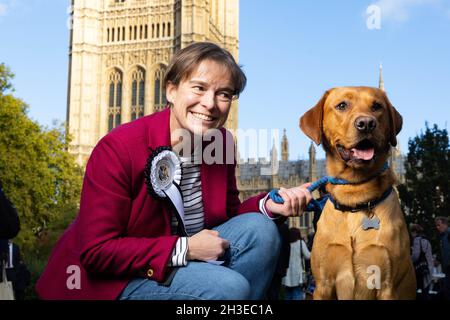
355,124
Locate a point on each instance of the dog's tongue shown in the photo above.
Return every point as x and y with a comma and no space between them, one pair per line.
363,154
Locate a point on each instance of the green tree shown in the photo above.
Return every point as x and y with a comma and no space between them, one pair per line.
39,176
5,78
426,191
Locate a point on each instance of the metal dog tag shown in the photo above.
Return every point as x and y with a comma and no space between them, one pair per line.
373,223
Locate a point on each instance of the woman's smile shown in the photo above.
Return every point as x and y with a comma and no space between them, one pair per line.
202,116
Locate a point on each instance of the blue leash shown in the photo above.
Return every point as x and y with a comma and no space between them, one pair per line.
319,204
313,205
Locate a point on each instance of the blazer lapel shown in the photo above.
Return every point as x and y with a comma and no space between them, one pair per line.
159,129
214,189
214,192
159,136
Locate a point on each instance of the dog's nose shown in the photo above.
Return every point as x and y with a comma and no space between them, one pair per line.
365,124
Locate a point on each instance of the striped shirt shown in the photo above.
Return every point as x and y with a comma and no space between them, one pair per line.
194,218
191,188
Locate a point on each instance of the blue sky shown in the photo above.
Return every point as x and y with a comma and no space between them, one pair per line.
291,51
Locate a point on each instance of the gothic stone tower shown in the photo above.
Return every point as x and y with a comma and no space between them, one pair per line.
312,163
119,50
396,155
284,147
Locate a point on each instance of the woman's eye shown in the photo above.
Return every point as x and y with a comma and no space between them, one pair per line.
225,95
342,106
199,88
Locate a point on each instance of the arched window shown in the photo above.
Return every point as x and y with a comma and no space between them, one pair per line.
115,99
107,38
134,93
168,29
118,34
112,34
123,33
135,32
153,30
157,30
163,30
160,95
131,33
137,94
141,34
146,31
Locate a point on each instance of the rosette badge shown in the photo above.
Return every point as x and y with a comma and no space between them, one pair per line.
163,176
163,171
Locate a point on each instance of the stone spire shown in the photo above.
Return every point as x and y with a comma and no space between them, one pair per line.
395,154
284,147
312,163
238,162
274,152
274,159
381,81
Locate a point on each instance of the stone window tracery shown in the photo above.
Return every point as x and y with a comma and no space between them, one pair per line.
137,93
115,99
160,95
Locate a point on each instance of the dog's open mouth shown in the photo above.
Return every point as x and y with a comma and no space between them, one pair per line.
363,151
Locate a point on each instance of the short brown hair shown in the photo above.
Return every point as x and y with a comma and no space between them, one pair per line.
443,220
186,60
416,228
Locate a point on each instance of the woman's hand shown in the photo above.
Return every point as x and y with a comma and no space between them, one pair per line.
206,245
295,201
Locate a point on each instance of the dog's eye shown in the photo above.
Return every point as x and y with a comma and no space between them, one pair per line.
377,106
342,106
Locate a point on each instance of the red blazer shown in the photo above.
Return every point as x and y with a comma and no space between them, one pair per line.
121,231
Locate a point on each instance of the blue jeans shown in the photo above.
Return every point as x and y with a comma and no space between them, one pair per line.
246,274
294,293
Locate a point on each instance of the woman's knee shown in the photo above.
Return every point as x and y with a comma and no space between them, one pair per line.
264,232
232,286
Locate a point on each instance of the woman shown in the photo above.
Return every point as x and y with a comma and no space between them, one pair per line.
295,276
135,238
422,255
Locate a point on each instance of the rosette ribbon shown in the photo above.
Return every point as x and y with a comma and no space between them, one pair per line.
163,177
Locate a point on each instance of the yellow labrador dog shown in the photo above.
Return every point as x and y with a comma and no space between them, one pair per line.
361,247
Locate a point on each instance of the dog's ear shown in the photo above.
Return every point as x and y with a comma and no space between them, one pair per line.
311,121
396,123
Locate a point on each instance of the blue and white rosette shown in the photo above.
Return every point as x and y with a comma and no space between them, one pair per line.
163,177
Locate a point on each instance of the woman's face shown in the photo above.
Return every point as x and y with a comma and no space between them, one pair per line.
441,227
203,100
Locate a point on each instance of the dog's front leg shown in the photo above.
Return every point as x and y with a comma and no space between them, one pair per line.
337,280
345,284
325,290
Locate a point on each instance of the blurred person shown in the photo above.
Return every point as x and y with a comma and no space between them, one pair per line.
16,271
437,275
422,258
296,274
9,220
444,248
9,226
